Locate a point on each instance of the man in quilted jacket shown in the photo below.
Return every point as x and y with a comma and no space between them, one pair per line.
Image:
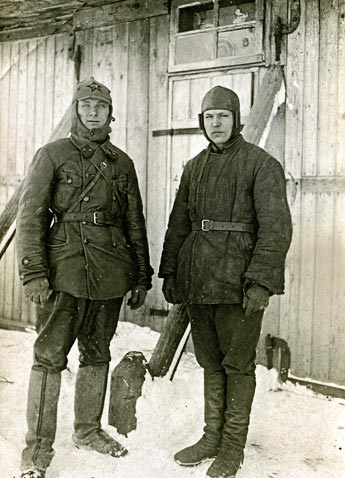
224,252
81,246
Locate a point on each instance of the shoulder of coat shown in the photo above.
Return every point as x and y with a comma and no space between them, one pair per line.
258,154
196,158
63,144
116,153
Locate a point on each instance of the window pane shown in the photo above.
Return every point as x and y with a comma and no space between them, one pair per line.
194,48
196,17
234,12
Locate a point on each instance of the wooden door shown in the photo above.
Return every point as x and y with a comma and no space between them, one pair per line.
186,93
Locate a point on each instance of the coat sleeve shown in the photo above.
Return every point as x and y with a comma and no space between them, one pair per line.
179,227
33,218
274,227
136,230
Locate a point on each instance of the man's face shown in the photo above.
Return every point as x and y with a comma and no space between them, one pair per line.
218,125
93,113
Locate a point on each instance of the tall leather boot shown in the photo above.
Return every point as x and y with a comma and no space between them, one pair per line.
240,394
43,397
208,446
90,389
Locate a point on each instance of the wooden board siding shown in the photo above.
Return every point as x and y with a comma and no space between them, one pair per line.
312,308
36,83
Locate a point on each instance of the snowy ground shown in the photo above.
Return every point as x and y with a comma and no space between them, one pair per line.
294,433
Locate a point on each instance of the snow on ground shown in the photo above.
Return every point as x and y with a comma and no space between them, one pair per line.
294,433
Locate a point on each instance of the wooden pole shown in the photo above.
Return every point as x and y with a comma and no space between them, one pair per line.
8,215
263,106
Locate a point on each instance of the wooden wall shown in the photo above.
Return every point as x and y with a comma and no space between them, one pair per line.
36,83
312,310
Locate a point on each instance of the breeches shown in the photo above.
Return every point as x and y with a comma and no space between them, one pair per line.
224,338
65,319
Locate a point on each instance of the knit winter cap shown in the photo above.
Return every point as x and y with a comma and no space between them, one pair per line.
220,98
91,89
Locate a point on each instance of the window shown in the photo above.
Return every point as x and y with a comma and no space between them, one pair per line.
210,34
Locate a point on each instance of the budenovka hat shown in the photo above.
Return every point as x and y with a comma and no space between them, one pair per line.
91,89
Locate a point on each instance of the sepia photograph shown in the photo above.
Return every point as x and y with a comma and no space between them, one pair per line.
172,238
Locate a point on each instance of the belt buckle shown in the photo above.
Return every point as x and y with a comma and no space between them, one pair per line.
205,225
95,219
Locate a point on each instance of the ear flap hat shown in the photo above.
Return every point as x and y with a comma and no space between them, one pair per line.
95,90
221,98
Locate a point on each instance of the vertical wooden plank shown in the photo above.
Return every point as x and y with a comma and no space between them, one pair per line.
21,130
8,272
302,335
3,200
61,91
198,89
311,90
324,251
337,339
39,93
102,55
29,139
179,155
49,85
328,85
289,320
340,163
180,102
138,98
85,40
157,152
4,95
13,109
120,84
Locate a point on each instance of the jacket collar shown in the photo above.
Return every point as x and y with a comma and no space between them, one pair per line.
232,143
88,148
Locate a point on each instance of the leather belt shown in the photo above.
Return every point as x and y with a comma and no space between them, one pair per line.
208,225
98,218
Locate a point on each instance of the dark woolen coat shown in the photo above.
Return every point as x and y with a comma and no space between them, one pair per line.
83,259
242,184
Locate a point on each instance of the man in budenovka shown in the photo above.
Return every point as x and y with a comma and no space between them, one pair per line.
81,245
224,252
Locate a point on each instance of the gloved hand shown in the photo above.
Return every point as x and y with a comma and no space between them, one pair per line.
138,296
38,290
169,284
256,298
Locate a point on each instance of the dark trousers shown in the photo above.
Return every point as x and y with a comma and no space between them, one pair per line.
65,319
225,343
224,338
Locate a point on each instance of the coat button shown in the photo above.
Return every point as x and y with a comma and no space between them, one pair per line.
114,244
86,198
25,262
84,222
69,180
85,241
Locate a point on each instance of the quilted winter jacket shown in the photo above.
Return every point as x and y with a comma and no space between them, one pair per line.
242,184
81,258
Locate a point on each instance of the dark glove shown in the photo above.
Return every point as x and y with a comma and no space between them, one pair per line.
38,290
256,298
138,297
169,290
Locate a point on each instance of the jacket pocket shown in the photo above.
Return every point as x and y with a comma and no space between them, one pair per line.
67,189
